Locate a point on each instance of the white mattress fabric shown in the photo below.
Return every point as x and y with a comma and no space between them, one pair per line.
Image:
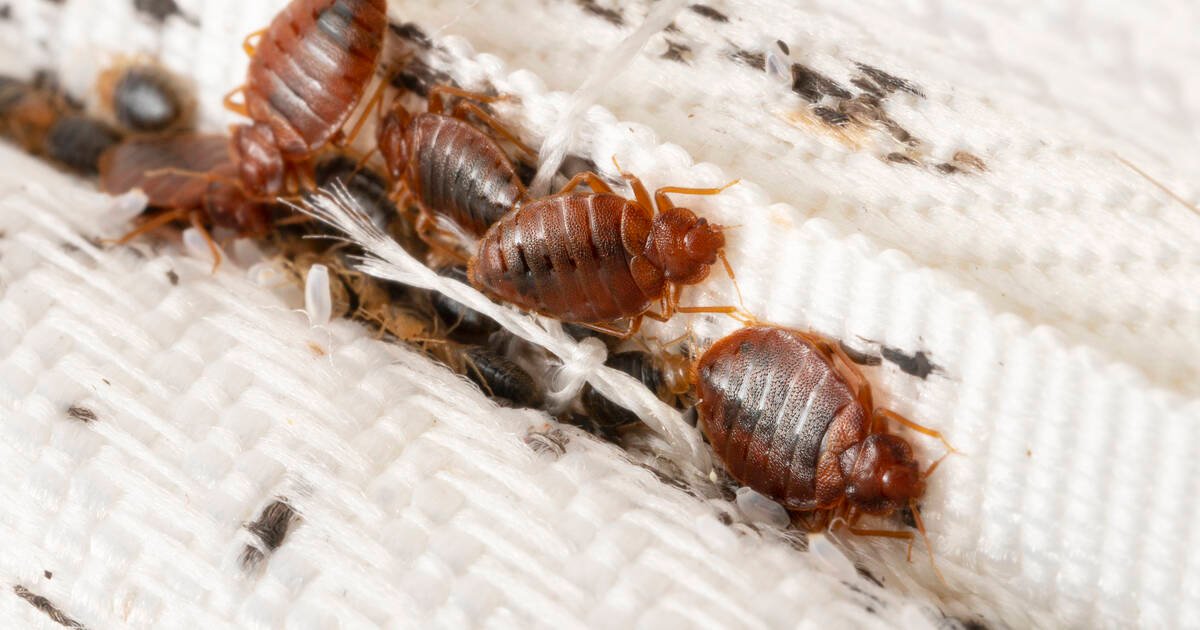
152,412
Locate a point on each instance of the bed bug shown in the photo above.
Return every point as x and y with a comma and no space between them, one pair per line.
307,73
792,418
449,167
595,258
144,97
77,142
654,373
463,323
163,167
500,378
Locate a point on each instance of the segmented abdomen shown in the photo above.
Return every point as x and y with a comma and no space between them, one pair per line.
567,256
459,172
134,162
311,68
779,415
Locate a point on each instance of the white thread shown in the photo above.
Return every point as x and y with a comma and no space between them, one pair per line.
558,141
587,358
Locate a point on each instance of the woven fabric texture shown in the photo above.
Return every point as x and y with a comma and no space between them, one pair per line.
1048,284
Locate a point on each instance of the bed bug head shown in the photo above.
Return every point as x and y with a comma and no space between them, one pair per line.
684,245
260,164
884,476
390,137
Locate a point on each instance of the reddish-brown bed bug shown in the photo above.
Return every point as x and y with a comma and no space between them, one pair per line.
163,167
308,72
792,418
595,258
447,166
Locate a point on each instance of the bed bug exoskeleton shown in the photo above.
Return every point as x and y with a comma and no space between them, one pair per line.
162,167
307,73
500,378
792,418
595,258
447,166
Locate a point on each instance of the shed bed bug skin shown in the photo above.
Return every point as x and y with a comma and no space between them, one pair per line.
447,166
595,258
463,323
792,418
165,168
501,378
144,98
307,73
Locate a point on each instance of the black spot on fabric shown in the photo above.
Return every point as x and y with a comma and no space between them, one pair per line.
82,414
831,116
611,16
677,51
755,60
812,85
709,12
890,82
159,10
916,364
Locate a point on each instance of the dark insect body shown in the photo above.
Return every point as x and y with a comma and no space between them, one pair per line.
307,75
368,188
144,98
501,378
792,418
77,142
165,168
449,167
595,258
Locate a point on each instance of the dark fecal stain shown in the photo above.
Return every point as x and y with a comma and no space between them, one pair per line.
6,12
44,605
105,381
677,51
48,574
868,576
55,1
864,108
671,28
709,12
172,277
411,32
917,364
612,16
868,86
755,60
970,624
82,414
725,518
969,160
160,10
831,116
899,133
812,85
861,358
784,47
947,168
270,528
889,82
900,158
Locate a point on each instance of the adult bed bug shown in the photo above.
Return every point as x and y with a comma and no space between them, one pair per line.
792,418
595,258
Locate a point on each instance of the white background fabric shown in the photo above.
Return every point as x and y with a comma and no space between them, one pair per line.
1055,293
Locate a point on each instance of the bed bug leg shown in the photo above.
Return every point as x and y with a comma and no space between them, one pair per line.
249,44
593,181
466,108
664,203
376,103
152,224
882,414
196,219
236,107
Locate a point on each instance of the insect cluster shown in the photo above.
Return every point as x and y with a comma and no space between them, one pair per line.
787,411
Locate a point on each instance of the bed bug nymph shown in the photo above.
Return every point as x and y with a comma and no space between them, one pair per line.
143,97
447,166
307,74
595,258
792,418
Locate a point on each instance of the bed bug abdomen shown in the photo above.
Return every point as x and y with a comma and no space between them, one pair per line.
779,415
311,67
576,257
460,172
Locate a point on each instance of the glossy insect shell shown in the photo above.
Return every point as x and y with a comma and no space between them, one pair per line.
457,171
780,417
577,257
310,69
145,99
501,378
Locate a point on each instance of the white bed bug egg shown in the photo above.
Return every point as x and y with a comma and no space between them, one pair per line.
197,246
318,299
823,548
757,508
